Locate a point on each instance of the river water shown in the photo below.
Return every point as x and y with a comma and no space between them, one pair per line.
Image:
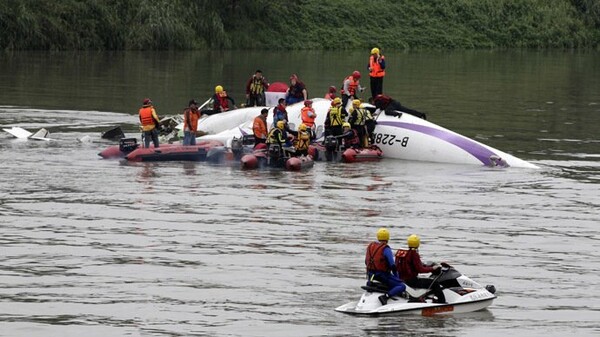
103,248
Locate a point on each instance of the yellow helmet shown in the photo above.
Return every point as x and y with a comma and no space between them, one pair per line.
218,89
302,127
337,101
413,241
356,102
346,125
280,125
383,234
375,51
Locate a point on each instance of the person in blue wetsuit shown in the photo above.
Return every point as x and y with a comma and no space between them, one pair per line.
381,267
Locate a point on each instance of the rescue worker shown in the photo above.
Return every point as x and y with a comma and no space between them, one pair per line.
255,89
278,136
308,116
357,120
392,107
190,122
370,124
221,101
279,113
349,137
350,87
296,92
331,93
334,119
259,127
302,140
380,266
150,123
409,265
376,72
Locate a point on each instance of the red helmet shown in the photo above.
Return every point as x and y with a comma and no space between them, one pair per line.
307,102
332,89
147,101
356,74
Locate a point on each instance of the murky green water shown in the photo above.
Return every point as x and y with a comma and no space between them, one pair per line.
101,248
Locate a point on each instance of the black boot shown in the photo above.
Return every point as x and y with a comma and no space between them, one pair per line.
383,299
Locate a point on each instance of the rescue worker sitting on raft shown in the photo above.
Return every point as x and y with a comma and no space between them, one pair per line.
278,136
302,140
349,137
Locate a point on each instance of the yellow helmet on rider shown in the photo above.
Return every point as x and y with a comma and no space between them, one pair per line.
337,101
413,241
280,125
346,125
356,103
383,234
375,51
218,89
302,127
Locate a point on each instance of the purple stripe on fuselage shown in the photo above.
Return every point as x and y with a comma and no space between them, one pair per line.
477,150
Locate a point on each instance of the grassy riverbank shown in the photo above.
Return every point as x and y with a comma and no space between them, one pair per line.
297,24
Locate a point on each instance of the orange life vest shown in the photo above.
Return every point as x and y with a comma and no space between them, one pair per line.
375,260
376,70
146,117
351,87
192,117
259,127
306,119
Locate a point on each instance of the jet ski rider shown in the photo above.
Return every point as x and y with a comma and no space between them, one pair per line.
380,266
409,265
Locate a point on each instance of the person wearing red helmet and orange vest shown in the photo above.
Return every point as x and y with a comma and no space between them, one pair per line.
149,120
376,72
308,116
350,87
380,266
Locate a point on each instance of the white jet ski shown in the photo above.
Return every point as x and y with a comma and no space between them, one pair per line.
403,136
462,295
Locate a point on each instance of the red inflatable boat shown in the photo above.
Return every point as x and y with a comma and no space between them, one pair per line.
372,153
260,159
129,149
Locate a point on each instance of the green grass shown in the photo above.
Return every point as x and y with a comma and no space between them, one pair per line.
297,24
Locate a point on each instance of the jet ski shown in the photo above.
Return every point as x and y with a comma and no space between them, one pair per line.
462,295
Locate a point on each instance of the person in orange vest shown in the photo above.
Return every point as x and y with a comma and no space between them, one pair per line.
381,267
150,123
259,127
330,95
376,72
190,123
308,116
351,87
